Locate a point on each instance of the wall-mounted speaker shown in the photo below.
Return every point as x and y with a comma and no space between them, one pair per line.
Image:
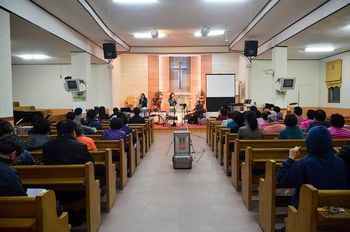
250,48
109,51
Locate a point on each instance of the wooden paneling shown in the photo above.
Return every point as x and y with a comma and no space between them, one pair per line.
153,77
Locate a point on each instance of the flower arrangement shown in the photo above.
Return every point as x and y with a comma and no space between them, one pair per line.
157,101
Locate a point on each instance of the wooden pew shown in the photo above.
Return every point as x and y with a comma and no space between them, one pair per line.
307,218
216,139
255,159
229,148
230,139
221,142
241,145
117,147
268,201
77,177
213,133
101,159
142,137
37,213
151,131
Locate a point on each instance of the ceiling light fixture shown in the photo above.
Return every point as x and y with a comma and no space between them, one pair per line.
224,1
34,57
207,32
149,35
319,49
135,1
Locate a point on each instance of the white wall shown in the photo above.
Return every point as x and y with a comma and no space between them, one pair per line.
306,72
225,63
130,77
344,90
41,86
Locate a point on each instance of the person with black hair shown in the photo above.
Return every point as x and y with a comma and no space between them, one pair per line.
10,181
6,128
251,130
13,144
115,132
92,121
38,135
115,113
230,120
262,123
223,114
320,120
239,120
137,119
89,142
278,112
102,113
65,149
338,131
125,126
70,115
292,131
310,118
298,111
143,102
78,114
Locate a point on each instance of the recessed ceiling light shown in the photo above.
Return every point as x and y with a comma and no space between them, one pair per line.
147,35
211,33
34,56
135,1
319,49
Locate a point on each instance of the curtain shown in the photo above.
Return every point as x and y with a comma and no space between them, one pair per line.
334,73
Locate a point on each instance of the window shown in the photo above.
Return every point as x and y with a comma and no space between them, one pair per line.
334,95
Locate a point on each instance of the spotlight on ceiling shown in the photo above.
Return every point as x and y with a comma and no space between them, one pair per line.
205,31
154,33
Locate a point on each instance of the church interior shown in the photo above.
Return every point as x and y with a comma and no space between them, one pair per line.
190,81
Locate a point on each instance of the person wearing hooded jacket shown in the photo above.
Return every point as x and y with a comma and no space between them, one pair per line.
320,167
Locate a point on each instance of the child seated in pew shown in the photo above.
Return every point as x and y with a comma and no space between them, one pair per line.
89,142
10,181
321,167
292,131
251,130
337,129
125,127
38,135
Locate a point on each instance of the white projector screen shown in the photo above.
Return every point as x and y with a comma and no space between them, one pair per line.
220,85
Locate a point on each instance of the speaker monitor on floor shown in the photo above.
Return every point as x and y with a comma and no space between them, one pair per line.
250,48
109,51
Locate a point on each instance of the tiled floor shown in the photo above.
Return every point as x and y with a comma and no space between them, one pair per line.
159,198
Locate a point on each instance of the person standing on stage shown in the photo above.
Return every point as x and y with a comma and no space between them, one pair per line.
172,104
143,101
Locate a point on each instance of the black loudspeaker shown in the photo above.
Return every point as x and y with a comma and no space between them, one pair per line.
250,48
109,51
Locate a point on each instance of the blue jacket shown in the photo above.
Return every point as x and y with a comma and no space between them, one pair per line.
321,167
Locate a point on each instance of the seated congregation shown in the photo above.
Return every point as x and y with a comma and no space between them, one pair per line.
68,157
312,151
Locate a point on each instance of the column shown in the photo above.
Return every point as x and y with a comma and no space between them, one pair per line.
279,65
6,108
81,69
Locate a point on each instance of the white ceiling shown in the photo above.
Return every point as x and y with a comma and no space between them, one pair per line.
179,19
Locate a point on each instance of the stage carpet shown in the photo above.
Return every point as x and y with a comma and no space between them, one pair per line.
179,126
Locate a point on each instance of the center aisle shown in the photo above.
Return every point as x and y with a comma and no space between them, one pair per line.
159,198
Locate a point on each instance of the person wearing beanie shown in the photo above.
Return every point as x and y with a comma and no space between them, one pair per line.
320,168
